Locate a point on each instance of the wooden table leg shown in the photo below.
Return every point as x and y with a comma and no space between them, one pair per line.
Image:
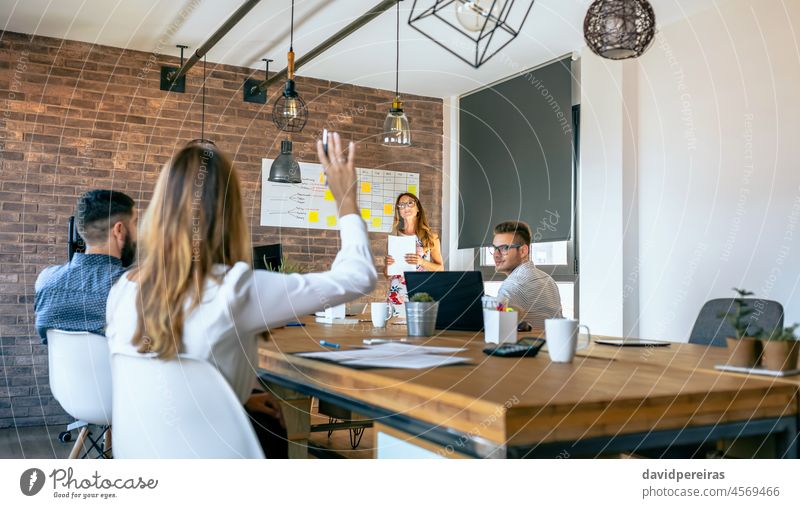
296,409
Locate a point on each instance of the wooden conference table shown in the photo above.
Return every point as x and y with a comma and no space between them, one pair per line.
608,400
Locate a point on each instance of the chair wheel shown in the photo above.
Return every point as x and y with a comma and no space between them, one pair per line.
65,437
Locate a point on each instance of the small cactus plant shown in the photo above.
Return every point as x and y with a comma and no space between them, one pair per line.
422,297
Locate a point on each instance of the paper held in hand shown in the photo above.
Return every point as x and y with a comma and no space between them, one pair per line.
399,246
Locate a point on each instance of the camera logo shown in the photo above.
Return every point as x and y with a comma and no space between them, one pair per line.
31,481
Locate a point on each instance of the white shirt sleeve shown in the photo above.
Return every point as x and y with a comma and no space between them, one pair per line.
263,299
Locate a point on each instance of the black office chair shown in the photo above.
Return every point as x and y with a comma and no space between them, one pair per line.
711,329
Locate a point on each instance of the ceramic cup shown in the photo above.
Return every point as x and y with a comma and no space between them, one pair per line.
381,311
562,338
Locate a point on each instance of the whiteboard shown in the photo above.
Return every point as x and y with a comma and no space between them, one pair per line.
311,205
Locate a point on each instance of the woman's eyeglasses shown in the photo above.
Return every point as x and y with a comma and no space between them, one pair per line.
503,249
408,204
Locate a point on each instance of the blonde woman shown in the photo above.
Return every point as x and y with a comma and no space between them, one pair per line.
194,292
410,220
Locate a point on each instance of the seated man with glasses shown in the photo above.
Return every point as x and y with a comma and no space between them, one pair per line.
530,291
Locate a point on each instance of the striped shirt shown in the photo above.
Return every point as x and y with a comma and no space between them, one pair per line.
533,293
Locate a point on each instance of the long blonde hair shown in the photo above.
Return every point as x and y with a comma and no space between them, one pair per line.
424,232
195,220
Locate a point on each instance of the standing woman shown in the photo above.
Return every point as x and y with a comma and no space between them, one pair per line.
410,220
194,292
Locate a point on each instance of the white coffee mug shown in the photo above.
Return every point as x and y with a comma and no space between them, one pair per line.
381,311
562,338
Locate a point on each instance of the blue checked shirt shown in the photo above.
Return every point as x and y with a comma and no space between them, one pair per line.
73,297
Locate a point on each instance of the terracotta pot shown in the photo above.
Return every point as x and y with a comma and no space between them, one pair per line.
780,355
744,352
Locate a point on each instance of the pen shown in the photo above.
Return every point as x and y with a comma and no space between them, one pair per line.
295,323
329,344
370,342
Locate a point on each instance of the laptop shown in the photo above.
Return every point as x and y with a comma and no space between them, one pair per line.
459,296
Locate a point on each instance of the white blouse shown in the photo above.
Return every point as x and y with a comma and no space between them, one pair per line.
223,329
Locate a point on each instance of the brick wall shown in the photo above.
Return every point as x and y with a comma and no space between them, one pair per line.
75,116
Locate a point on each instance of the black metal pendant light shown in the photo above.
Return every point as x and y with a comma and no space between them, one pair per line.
619,29
285,169
478,29
289,112
396,131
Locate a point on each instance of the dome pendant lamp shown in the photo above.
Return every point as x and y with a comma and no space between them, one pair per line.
285,168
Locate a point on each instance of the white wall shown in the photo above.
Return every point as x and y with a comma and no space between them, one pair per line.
455,259
707,167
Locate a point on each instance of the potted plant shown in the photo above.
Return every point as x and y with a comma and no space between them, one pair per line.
780,349
744,350
421,312
286,266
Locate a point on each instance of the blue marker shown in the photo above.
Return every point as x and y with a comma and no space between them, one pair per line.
329,344
295,323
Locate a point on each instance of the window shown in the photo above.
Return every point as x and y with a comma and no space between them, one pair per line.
551,257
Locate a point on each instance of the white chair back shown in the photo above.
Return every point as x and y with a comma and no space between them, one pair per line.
180,408
80,374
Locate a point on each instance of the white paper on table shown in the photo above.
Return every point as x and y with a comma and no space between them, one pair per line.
399,348
407,362
399,246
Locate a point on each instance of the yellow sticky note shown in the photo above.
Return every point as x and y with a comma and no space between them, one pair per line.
366,187
412,189
322,177
313,216
376,222
328,195
387,209
366,213
331,220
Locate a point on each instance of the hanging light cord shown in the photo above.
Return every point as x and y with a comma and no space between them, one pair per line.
203,110
291,30
397,60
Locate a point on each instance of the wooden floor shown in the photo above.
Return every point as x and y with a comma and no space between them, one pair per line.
42,443
338,445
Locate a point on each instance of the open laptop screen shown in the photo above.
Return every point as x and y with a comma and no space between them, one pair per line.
459,296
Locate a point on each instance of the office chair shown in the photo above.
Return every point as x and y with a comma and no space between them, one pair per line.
181,408
711,329
80,380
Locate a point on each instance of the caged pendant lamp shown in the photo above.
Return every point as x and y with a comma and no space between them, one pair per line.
396,131
285,168
289,112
